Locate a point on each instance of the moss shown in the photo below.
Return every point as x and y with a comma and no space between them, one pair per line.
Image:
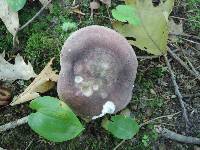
5,39
193,13
41,48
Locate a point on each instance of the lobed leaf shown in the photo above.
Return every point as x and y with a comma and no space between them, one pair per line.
151,34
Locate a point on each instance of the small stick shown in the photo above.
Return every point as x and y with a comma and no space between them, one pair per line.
177,92
119,145
14,124
107,9
183,64
184,19
29,21
36,15
177,137
191,41
186,35
160,117
192,95
147,57
192,67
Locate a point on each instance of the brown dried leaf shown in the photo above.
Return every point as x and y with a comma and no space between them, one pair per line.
42,83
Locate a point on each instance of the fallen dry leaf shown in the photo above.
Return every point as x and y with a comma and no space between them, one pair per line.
19,70
152,33
42,83
9,17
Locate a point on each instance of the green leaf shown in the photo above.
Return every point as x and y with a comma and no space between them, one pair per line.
151,34
54,120
68,26
126,13
16,5
121,126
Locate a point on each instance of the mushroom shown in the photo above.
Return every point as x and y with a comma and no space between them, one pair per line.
98,69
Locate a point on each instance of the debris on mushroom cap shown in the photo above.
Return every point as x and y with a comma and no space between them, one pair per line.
98,69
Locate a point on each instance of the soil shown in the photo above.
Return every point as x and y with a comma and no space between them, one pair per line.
153,94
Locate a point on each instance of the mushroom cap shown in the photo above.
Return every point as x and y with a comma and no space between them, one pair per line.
98,69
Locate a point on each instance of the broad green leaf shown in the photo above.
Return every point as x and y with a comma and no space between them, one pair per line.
121,126
16,5
152,33
54,120
126,13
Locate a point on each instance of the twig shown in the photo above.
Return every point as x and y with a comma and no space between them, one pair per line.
36,15
191,41
147,57
183,64
177,92
29,145
186,35
184,19
192,95
107,9
119,145
160,117
177,137
29,21
192,67
13,124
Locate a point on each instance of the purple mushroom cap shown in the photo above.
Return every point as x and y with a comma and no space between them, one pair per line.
98,69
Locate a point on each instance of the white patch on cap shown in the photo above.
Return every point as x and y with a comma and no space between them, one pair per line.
104,95
87,91
78,79
108,108
95,87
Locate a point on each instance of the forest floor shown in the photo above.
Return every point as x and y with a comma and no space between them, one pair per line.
153,94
